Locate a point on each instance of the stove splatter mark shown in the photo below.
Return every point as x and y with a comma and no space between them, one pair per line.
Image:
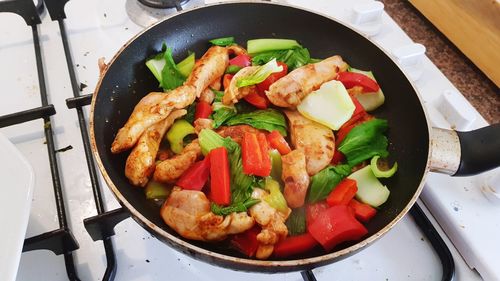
86,54
456,206
105,15
147,261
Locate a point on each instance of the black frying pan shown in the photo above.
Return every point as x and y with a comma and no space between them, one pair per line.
127,80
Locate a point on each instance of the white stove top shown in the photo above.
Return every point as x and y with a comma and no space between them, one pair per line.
98,28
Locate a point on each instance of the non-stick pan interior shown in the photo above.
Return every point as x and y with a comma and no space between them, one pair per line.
128,79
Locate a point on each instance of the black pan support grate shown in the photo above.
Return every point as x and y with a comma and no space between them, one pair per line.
101,226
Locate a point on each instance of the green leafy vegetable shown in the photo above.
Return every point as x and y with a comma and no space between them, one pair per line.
241,184
239,207
224,41
293,58
232,69
275,198
387,173
156,190
270,44
260,74
191,110
312,60
296,222
218,95
323,182
171,78
221,113
244,107
365,141
267,119
156,65
276,165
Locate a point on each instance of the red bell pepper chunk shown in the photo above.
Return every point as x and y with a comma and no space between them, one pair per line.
257,99
242,60
359,108
351,79
196,176
203,110
347,127
246,242
255,155
220,188
343,193
294,245
362,211
226,80
277,141
336,225
264,85
338,157
313,211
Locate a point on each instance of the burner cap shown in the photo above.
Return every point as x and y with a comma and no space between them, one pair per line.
164,4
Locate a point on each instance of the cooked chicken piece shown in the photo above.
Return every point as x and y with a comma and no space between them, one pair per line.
208,69
289,90
140,163
232,94
316,140
236,50
188,213
295,177
203,123
236,132
207,96
171,169
272,222
150,110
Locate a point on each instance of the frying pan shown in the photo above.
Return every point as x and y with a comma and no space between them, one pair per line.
126,80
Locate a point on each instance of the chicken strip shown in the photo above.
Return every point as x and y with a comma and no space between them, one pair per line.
295,177
236,132
140,163
289,90
150,110
232,94
171,169
208,69
188,213
272,222
315,140
203,123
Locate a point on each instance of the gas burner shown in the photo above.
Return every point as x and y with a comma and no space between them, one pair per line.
147,12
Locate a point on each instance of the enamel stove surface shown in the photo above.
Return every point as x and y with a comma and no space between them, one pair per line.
98,29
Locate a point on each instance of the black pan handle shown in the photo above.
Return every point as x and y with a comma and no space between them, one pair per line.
465,153
480,150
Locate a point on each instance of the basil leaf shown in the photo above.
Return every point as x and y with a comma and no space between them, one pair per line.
323,182
296,222
267,119
224,41
293,58
365,141
171,76
235,208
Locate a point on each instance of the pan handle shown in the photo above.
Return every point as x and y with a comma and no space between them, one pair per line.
465,153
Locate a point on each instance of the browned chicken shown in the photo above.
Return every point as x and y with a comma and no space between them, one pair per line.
171,169
232,94
236,132
188,213
289,90
295,177
203,123
140,163
209,68
315,140
150,110
272,222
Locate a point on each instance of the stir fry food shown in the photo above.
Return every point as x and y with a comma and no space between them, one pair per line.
266,147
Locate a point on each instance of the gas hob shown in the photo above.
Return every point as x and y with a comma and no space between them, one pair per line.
98,29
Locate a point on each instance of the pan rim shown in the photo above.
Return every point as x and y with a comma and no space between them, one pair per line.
143,221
